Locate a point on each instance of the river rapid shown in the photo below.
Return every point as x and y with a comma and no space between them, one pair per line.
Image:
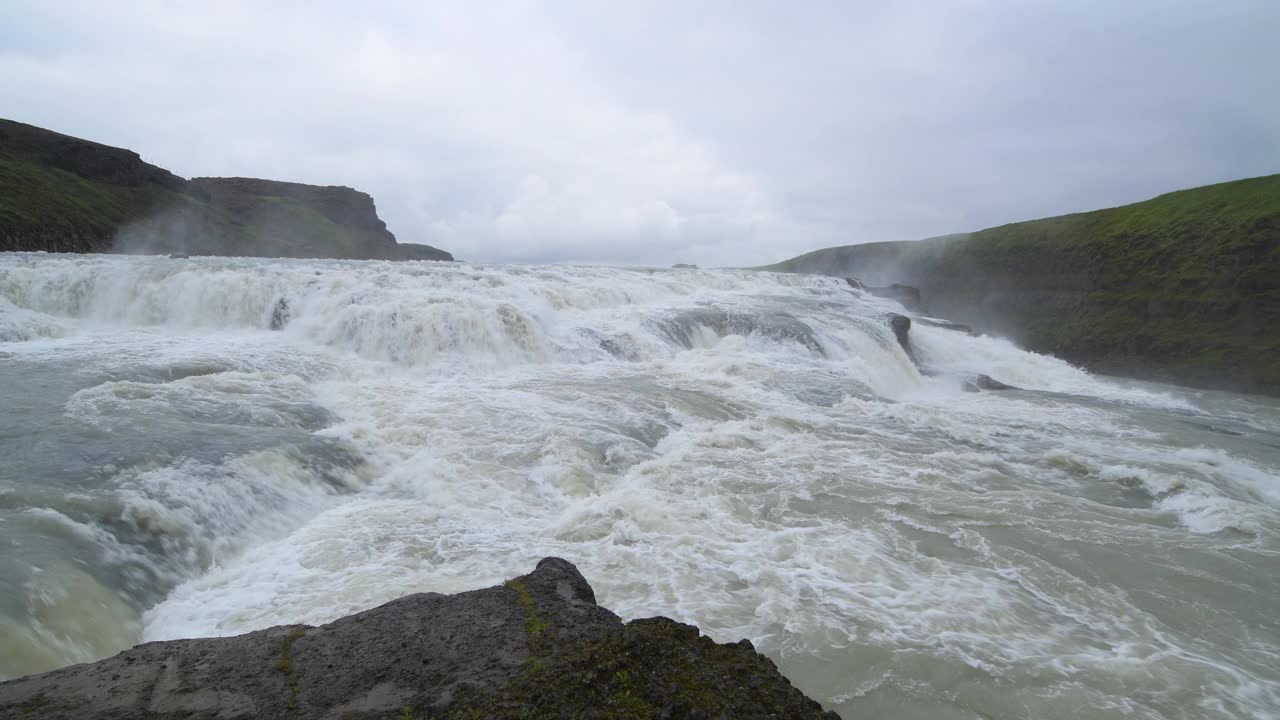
209,446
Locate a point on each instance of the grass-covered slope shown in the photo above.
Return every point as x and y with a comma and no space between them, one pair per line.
48,208
1184,287
64,194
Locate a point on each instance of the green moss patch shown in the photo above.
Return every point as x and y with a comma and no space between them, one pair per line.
534,624
646,669
285,666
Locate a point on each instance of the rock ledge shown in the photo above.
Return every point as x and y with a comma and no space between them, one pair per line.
537,646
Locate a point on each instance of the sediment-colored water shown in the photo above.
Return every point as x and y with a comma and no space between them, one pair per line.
749,452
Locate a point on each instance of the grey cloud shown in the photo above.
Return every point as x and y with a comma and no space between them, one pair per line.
718,133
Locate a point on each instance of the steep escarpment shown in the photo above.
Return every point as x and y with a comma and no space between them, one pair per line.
267,218
415,251
63,194
1184,287
537,646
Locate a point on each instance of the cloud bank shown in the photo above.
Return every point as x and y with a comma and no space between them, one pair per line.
719,133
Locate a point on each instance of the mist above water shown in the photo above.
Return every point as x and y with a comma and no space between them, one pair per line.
749,452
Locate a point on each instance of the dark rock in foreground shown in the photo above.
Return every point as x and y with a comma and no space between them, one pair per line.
536,647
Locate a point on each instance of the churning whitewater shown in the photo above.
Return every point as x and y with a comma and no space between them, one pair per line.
209,446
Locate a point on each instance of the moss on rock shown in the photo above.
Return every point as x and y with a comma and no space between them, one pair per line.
651,668
537,647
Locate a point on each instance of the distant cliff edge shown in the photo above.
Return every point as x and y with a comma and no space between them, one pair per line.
1184,287
63,194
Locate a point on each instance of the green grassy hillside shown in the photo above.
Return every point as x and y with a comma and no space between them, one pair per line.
46,208
63,194
1184,287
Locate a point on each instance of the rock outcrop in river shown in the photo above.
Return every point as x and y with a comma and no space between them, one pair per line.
1184,287
63,194
537,646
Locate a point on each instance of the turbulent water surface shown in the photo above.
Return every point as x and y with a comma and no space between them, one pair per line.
210,446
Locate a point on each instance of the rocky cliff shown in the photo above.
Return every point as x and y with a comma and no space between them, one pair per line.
63,194
1184,287
537,646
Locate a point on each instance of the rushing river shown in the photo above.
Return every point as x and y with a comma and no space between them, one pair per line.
209,446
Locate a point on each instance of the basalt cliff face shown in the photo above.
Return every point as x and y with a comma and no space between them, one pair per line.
1184,287
63,194
537,646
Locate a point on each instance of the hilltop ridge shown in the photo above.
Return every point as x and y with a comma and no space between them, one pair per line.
1184,287
60,193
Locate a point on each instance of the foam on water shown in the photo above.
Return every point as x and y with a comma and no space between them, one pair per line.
750,452
18,323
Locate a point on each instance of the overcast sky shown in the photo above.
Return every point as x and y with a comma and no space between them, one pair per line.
719,133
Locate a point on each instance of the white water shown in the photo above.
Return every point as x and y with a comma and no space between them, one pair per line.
749,452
